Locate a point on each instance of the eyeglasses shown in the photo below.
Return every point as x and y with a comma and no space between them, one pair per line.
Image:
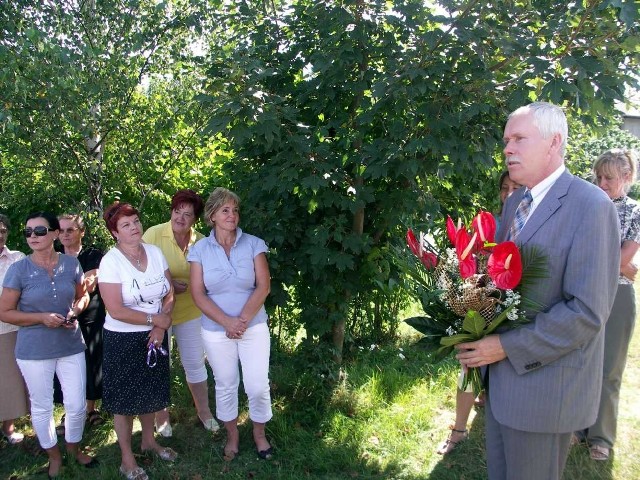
68,230
40,231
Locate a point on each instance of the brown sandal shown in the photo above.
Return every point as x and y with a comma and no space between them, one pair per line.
94,418
448,445
228,455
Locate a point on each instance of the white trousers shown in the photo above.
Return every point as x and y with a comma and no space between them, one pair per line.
188,336
38,375
252,352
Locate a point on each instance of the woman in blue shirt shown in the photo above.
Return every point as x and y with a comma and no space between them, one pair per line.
229,283
43,294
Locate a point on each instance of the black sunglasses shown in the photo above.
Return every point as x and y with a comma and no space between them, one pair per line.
40,231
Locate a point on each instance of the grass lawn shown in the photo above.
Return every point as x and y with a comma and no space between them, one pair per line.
383,420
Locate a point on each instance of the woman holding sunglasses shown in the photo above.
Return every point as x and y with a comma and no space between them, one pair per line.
43,294
135,285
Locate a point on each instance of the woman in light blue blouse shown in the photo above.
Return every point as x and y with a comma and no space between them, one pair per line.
615,172
229,283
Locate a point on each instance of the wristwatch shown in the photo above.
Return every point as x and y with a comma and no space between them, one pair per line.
149,319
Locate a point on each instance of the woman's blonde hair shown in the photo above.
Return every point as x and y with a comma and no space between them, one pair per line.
619,161
75,218
216,200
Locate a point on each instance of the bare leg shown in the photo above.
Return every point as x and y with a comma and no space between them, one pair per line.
8,431
464,404
233,438
148,438
200,394
55,460
123,425
91,405
163,423
260,437
81,457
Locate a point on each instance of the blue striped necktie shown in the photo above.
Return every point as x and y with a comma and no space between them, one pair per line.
521,215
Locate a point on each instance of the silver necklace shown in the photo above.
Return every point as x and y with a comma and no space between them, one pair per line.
137,260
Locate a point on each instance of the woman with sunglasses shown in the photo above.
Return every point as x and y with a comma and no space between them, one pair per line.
135,285
43,294
13,395
91,321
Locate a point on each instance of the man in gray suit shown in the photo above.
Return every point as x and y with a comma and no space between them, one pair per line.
544,378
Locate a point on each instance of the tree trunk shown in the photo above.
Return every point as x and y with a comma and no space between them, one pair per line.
94,147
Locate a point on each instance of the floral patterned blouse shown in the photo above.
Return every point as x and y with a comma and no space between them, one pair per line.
7,257
629,216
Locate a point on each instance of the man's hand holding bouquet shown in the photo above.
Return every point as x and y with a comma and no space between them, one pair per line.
469,288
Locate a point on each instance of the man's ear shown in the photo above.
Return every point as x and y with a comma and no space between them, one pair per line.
556,142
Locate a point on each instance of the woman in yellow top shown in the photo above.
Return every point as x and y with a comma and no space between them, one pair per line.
175,238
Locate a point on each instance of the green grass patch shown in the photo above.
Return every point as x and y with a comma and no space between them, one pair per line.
382,419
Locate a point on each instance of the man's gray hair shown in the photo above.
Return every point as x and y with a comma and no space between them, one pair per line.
549,119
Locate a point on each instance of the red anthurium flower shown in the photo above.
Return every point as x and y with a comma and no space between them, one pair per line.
505,265
465,248
452,230
485,225
412,241
429,260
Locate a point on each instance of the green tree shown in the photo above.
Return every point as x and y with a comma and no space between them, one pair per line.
96,101
588,143
350,119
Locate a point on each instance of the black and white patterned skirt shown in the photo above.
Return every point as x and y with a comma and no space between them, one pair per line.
130,386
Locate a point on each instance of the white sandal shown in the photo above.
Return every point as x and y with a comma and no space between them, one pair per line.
599,453
135,474
13,438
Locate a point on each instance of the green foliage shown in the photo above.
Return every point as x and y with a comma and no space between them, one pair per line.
337,122
348,120
383,419
588,143
96,103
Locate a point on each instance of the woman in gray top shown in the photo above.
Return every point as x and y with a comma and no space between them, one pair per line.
43,294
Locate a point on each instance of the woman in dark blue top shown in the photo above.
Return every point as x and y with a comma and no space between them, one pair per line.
43,294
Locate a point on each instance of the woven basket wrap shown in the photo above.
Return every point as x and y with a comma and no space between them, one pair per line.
474,295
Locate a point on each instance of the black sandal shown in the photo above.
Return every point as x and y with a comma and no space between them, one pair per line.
449,444
94,418
266,454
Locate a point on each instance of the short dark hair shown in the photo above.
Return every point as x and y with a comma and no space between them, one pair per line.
503,175
51,219
5,220
113,213
190,197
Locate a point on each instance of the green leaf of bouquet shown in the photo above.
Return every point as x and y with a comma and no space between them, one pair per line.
496,322
534,267
473,323
442,353
426,325
431,345
456,339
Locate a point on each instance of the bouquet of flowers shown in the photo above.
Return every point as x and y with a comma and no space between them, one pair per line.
470,288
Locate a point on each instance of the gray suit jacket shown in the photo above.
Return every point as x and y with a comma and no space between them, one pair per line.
551,379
